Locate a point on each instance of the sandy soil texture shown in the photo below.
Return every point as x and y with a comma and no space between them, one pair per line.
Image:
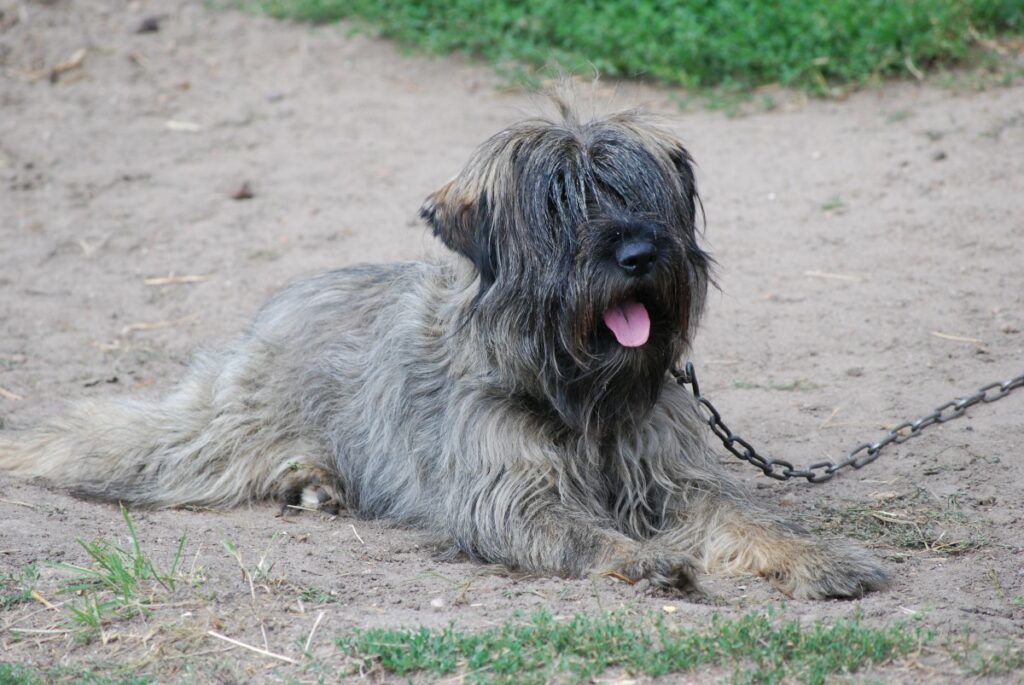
870,254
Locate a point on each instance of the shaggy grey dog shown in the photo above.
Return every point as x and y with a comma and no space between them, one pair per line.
514,398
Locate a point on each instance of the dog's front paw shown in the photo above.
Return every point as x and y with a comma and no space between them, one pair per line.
829,569
662,568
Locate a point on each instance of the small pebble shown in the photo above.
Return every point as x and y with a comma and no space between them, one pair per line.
244,192
149,25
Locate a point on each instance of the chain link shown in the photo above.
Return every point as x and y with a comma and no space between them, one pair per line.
860,456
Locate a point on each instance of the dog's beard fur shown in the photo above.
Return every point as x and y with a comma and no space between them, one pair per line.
539,211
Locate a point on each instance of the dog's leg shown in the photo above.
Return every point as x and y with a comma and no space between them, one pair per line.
731,535
520,520
703,511
223,437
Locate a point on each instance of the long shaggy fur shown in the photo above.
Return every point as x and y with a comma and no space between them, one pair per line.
480,397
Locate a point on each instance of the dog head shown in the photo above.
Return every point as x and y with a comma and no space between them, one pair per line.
591,281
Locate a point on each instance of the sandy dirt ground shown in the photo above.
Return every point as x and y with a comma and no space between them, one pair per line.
870,254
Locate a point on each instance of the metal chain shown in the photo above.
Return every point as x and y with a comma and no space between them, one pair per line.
860,456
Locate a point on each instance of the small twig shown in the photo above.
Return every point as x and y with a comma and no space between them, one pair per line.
42,600
985,43
150,326
17,503
833,276
182,126
888,517
300,508
914,71
72,62
89,249
174,280
42,631
356,532
10,624
309,640
618,576
264,652
831,416
53,73
957,338
8,395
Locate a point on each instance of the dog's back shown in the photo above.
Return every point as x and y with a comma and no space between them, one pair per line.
248,422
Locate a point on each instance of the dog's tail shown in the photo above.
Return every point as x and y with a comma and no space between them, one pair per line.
216,441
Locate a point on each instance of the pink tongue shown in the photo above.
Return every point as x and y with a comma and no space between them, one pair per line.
629,322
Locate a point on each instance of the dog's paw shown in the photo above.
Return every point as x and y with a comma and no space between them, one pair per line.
322,498
829,570
309,487
664,569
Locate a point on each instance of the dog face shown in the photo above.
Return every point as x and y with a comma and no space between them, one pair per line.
590,273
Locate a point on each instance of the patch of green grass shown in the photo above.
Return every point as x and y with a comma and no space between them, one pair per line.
833,204
316,596
118,583
757,648
119,570
16,588
804,43
986,661
17,674
898,116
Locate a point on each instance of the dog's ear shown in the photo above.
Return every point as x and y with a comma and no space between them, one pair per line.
462,221
683,163
682,167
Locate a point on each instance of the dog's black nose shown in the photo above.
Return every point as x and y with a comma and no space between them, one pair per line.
636,257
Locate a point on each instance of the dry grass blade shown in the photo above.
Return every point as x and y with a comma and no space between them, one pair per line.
73,62
889,517
834,276
175,280
42,631
618,576
8,395
957,338
182,126
299,507
18,503
257,650
152,326
42,600
309,640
